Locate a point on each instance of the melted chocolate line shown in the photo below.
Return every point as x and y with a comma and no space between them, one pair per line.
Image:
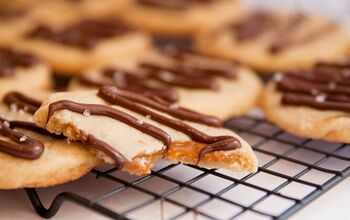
112,95
253,26
101,110
34,128
321,75
22,102
281,45
172,5
181,55
291,84
168,95
85,34
307,100
100,145
333,65
29,148
223,145
11,59
178,77
139,84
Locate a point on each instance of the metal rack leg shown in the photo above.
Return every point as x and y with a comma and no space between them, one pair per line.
60,198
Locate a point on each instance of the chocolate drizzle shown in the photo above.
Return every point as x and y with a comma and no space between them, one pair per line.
125,97
85,34
172,4
185,72
261,23
22,146
134,102
131,81
179,76
11,59
21,101
253,26
325,87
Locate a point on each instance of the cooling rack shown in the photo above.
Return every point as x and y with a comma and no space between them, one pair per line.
293,172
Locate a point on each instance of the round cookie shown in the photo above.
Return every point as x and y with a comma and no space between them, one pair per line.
179,18
89,42
269,42
14,21
59,162
22,71
312,104
202,87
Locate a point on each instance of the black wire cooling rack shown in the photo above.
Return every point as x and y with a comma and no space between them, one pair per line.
293,171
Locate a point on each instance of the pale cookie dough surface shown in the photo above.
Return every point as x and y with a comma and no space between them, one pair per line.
60,162
26,79
127,140
329,46
185,22
234,96
306,121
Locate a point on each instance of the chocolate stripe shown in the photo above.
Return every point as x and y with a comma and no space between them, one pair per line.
172,4
291,84
112,94
11,59
178,77
308,100
23,146
22,102
324,87
85,35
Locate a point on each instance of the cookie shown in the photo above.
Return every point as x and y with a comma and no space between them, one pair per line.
179,17
32,157
64,12
100,8
22,71
132,130
271,42
89,42
184,77
311,103
13,21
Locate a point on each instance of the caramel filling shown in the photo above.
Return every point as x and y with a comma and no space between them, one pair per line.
189,152
142,164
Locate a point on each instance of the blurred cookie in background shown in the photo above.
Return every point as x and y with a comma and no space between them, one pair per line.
179,17
14,20
184,77
87,42
269,42
22,71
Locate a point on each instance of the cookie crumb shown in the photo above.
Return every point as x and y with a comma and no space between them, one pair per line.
278,76
23,138
321,98
86,113
13,107
7,124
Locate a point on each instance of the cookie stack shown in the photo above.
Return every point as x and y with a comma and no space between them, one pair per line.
129,102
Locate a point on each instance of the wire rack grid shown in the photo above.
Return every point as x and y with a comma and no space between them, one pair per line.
293,171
